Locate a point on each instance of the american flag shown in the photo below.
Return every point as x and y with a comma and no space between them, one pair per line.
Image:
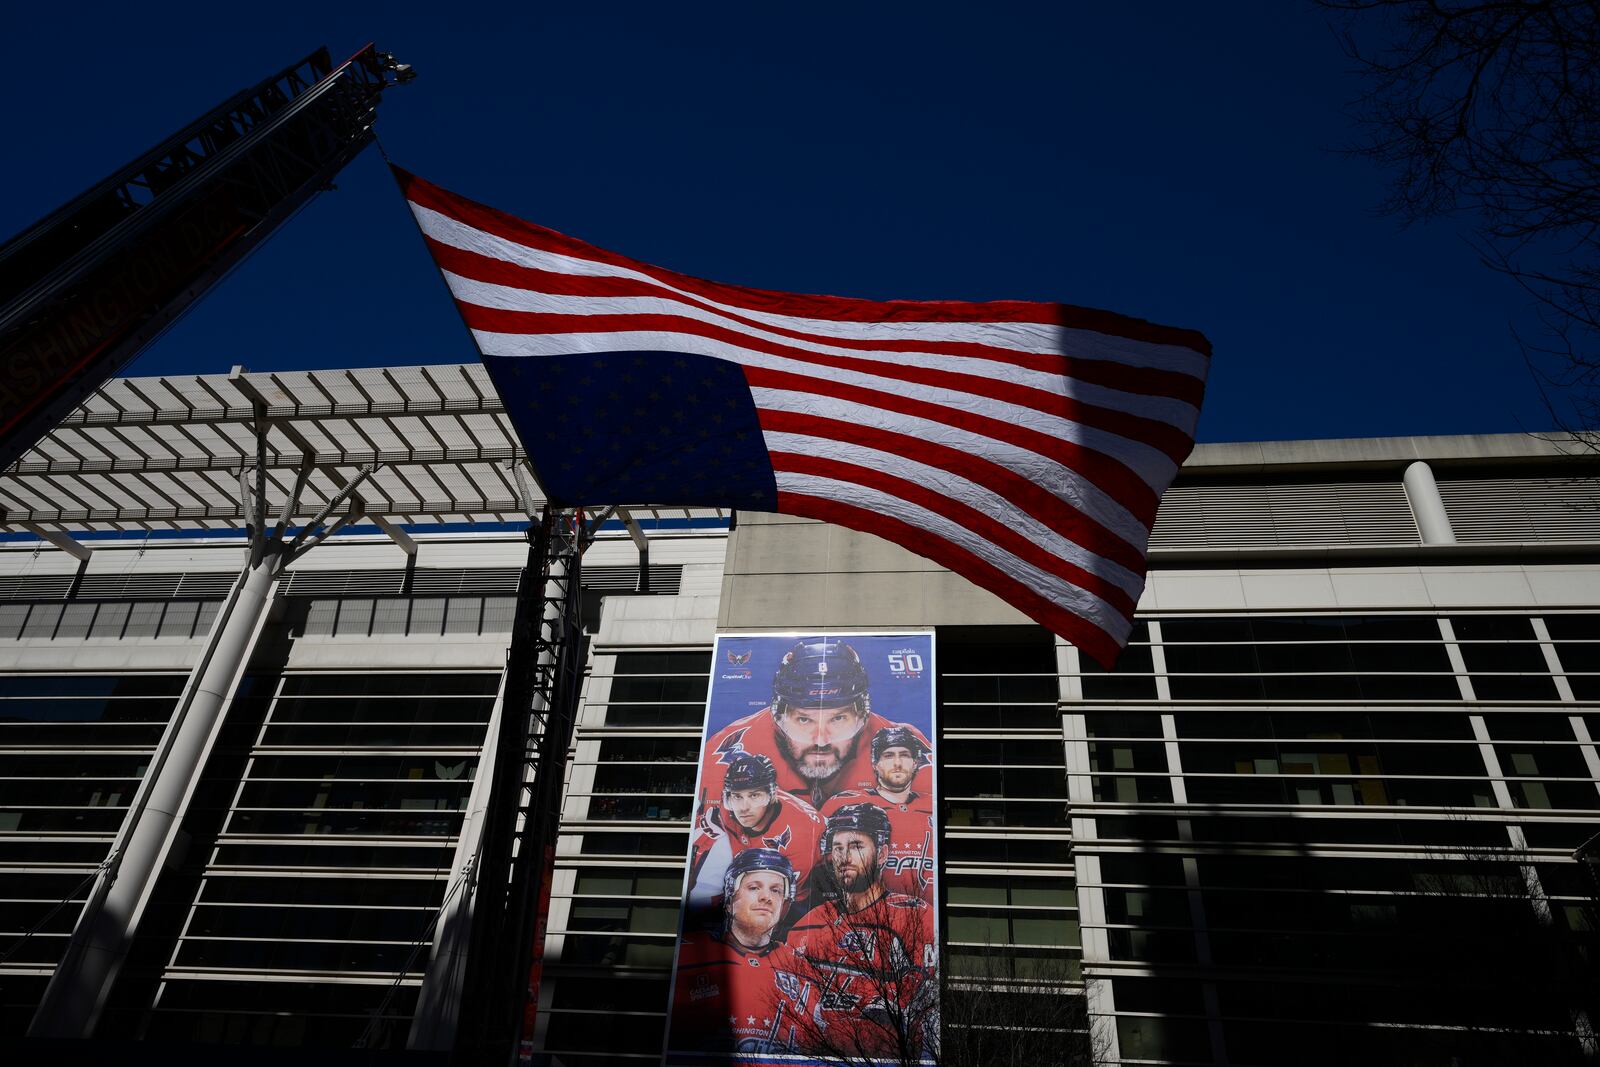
1024,446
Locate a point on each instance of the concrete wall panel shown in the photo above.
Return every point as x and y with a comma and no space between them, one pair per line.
1278,590
1478,587
1379,587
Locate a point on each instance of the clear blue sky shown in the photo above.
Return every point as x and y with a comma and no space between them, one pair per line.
1174,161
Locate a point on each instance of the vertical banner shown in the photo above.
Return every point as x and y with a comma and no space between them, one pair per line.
809,932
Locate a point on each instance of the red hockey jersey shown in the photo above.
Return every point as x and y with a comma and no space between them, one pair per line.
871,969
730,999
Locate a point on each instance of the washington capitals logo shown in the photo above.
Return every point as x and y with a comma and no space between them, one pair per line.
731,747
780,842
739,659
860,943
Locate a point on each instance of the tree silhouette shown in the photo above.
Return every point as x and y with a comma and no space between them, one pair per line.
1491,111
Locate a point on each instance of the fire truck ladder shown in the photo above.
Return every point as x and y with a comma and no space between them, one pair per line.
544,674
83,290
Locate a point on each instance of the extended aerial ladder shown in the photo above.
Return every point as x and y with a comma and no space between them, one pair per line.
83,290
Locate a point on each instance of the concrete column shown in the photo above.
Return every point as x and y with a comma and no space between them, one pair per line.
82,983
1433,522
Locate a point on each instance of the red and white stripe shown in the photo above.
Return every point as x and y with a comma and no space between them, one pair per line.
1024,446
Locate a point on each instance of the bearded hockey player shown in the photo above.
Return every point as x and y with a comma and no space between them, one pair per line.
898,754
819,712
754,813
871,953
736,988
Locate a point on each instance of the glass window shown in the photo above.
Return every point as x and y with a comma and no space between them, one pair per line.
1151,946
1212,659
1190,631
1012,928
1146,789
1166,996
1131,679
1573,627
299,889
1122,724
621,916
608,882
998,677
665,688
1215,687
1043,815
1009,782
325,854
611,993
653,778
1127,756
482,683
1007,850
1492,627
1529,725
635,808
634,844
650,749
1035,964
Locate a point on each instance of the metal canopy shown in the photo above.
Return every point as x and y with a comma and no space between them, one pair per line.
168,452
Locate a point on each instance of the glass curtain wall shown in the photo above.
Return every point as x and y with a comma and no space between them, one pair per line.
1346,835
308,916
73,749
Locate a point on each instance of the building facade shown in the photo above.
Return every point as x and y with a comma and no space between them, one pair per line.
1331,805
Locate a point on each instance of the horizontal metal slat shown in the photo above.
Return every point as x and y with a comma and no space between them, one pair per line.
1523,509
1252,516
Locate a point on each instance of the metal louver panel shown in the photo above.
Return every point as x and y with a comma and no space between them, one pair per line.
1523,509
665,578
336,584
35,587
1234,516
198,586
449,581
201,586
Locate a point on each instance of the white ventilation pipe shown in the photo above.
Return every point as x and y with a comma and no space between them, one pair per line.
1433,522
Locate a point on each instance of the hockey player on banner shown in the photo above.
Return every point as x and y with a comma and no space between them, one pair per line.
753,813
871,953
727,994
794,723
897,755
821,709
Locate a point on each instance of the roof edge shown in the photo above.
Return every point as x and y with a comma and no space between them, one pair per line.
1248,457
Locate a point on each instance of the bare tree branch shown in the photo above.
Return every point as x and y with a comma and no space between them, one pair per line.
1490,112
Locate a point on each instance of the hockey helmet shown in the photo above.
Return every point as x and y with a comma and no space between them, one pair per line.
867,819
819,674
758,859
750,770
897,737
